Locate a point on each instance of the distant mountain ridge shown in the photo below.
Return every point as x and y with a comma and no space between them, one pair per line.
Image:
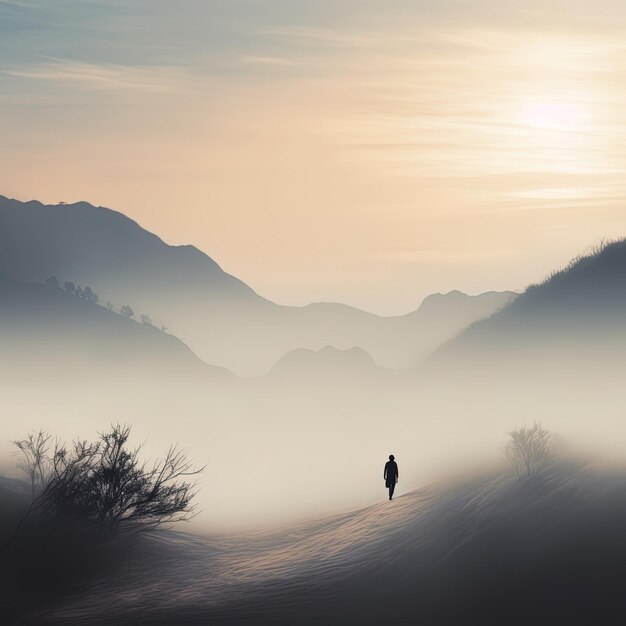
327,362
221,318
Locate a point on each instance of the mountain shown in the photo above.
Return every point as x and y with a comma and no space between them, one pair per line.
329,362
103,248
49,334
223,320
576,318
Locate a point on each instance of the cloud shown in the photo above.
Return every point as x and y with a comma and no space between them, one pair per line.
269,60
321,36
104,76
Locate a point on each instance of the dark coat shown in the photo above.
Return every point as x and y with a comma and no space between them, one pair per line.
391,473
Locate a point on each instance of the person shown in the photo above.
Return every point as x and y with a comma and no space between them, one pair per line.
391,475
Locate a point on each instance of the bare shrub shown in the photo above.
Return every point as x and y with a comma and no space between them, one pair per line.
530,449
104,486
34,459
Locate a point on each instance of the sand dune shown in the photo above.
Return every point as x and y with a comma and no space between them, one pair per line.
488,550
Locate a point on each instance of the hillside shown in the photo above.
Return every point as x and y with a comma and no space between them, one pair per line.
103,248
488,551
575,318
223,320
48,334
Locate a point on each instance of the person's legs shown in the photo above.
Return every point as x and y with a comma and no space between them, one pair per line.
392,486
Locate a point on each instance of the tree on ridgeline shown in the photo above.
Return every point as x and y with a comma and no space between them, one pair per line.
127,311
89,295
52,282
69,286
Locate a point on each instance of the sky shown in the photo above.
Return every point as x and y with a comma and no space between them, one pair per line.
369,153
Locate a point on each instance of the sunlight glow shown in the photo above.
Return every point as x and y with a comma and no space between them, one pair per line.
554,116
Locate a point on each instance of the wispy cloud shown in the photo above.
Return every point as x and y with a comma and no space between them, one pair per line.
321,36
103,76
269,60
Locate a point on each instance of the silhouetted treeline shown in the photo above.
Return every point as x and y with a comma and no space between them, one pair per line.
89,295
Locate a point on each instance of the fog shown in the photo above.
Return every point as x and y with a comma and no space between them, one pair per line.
182,290
329,391
277,450
292,515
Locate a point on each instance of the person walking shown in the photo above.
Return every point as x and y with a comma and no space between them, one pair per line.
391,475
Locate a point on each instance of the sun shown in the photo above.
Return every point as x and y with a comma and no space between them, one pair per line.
554,115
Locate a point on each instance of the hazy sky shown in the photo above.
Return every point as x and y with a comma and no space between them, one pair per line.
366,152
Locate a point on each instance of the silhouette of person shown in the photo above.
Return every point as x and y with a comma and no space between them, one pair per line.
391,475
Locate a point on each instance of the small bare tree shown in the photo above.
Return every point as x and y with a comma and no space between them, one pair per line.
529,449
104,485
34,459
